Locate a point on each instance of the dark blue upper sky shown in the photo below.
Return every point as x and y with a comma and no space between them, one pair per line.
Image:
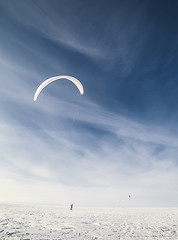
125,53
128,49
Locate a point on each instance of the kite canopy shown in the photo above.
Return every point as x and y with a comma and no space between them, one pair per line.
48,81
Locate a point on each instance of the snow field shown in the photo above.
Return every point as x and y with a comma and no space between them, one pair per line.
55,223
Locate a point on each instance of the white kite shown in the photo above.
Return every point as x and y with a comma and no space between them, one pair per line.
48,81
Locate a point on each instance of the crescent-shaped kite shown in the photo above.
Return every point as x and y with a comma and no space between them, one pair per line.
52,79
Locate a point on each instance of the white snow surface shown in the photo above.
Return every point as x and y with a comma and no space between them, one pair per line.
51,222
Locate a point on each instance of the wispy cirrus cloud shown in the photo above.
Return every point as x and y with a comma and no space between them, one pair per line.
114,141
79,159
111,47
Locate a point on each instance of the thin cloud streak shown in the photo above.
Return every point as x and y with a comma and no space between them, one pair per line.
123,146
56,28
32,158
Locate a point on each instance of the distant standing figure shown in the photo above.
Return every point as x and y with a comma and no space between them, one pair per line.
71,206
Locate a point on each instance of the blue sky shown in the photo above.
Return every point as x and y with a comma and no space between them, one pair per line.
121,136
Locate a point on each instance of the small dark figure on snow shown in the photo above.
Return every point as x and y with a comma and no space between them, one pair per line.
71,206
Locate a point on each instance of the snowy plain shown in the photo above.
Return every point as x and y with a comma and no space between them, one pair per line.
52,222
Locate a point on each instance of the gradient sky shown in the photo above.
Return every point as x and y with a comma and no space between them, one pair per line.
121,136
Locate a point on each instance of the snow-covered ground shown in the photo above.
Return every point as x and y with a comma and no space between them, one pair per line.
34,223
